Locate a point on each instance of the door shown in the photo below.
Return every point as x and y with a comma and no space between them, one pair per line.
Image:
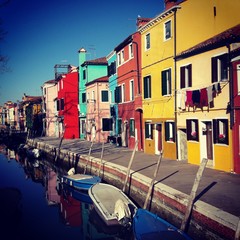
158,138
209,140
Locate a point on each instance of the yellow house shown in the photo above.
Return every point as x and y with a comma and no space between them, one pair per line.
207,36
158,50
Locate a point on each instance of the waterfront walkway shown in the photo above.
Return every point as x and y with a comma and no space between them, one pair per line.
217,188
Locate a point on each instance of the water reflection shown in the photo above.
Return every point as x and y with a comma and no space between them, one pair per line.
50,209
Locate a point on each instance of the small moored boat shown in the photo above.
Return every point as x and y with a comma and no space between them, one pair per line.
147,225
112,205
80,181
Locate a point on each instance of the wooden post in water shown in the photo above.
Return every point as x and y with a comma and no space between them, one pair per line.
88,158
153,180
193,193
101,159
129,165
237,233
59,146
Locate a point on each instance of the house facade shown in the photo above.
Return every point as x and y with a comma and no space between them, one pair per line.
67,104
98,120
129,92
158,80
203,77
235,108
49,92
88,71
112,84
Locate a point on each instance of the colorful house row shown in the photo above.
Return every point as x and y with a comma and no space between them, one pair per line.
172,87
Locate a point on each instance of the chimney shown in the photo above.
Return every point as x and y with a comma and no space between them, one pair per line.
169,4
142,21
81,56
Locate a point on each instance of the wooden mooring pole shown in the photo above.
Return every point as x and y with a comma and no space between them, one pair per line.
193,194
88,158
129,166
153,180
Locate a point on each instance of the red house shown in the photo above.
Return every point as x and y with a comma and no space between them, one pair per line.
67,104
129,91
236,113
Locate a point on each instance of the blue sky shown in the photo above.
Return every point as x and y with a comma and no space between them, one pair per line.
43,33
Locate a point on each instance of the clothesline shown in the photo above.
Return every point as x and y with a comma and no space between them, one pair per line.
198,98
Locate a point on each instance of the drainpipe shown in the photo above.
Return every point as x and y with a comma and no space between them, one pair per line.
139,92
230,88
175,80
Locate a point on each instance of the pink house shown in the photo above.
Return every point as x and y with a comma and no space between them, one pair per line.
49,92
98,118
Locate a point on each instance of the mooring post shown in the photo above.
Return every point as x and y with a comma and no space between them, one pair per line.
129,165
193,193
153,180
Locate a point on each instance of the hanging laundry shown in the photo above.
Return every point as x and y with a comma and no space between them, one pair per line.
203,97
214,91
209,94
181,99
196,97
189,102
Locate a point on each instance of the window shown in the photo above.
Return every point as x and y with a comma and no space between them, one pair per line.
170,131
220,68
132,127
238,79
131,90
83,97
61,83
123,93
186,76
112,68
148,130
147,86
118,94
166,82
192,130
130,50
119,126
122,56
119,59
147,41
220,131
62,104
93,95
106,124
84,74
104,95
167,30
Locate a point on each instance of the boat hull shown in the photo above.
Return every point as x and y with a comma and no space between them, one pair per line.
147,225
81,181
104,197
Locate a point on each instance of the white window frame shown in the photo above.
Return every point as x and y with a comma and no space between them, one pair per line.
165,37
147,41
130,50
131,83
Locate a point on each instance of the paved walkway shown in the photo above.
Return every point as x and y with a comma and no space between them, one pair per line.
217,188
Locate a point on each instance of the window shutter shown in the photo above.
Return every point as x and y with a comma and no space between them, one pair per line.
164,84
197,136
166,131
145,87
215,131
214,70
190,75
149,87
182,77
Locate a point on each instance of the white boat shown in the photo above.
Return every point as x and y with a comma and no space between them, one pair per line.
112,205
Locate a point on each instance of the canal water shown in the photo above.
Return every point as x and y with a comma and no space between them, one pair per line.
35,205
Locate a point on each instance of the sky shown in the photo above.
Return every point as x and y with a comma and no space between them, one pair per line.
43,33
